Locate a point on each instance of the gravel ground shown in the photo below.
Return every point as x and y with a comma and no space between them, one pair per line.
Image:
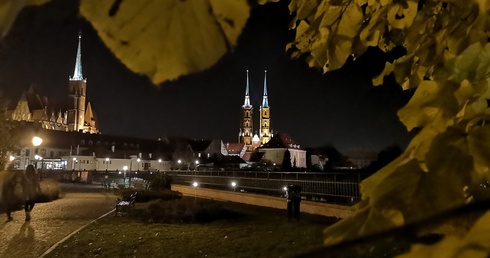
51,222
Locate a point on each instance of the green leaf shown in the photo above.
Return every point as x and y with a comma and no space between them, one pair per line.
167,39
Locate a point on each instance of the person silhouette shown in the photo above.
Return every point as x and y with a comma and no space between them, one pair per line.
31,189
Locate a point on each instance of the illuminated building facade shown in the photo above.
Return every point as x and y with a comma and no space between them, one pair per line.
75,116
245,134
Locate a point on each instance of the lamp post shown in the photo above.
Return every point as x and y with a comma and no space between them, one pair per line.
159,164
36,142
233,184
179,161
107,164
124,169
197,164
73,163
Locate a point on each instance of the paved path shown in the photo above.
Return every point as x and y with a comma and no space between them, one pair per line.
51,222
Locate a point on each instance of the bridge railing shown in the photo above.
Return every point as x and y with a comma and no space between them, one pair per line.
339,188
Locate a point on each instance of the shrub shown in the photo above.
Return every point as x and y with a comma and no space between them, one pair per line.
186,210
50,190
161,182
145,195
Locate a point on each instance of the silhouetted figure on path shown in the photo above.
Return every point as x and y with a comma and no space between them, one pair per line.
32,190
20,188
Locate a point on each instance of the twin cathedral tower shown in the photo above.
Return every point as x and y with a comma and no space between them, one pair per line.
246,134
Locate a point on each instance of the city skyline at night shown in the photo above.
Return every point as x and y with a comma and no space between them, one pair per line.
341,107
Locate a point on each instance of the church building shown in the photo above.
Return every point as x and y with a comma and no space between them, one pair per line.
246,135
74,115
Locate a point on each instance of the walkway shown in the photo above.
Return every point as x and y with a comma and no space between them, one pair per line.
53,221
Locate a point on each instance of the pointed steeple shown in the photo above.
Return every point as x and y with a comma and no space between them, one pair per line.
265,101
247,94
77,74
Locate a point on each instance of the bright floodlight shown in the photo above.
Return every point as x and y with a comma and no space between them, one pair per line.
285,188
12,158
106,159
233,184
37,156
160,160
195,184
74,159
179,161
125,168
36,141
138,160
197,162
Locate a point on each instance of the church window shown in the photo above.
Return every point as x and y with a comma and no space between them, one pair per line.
131,146
90,143
82,142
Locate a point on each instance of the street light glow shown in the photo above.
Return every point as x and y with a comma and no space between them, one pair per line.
195,184
107,159
233,184
36,141
12,158
125,168
179,161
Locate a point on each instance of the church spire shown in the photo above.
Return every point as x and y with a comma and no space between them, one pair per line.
265,101
77,74
247,94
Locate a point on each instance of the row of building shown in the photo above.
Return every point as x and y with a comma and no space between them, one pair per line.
71,139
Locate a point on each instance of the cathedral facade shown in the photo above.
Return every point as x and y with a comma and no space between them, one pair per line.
74,115
246,134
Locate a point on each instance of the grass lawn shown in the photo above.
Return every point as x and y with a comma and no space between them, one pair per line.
253,232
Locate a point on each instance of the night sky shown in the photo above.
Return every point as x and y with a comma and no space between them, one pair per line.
341,107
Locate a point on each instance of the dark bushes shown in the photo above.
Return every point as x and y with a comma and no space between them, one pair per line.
186,210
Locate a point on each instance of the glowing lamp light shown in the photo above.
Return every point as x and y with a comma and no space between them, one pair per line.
12,158
233,184
125,168
160,160
36,140
285,188
195,184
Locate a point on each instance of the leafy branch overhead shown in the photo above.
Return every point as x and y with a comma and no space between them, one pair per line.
167,39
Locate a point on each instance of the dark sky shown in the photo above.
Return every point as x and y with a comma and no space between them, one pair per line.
341,107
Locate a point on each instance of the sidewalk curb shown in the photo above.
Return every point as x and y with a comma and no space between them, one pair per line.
71,234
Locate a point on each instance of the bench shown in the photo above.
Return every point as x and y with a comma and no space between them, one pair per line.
125,205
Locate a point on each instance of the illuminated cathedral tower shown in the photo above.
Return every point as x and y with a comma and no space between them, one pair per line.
245,134
265,121
77,94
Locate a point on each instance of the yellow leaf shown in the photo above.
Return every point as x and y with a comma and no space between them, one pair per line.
479,148
267,1
9,9
400,17
351,21
378,80
167,39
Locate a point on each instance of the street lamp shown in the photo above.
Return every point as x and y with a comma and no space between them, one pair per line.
73,163
124,169
179,161
159,164
107,163
138,165
197,164
233,184
36,141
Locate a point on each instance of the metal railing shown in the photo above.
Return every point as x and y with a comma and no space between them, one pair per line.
338,188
